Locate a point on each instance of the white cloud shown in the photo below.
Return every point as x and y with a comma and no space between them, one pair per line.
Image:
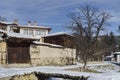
62,4
116,17
52,12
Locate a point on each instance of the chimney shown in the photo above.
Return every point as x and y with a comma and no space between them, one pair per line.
15,21
29,22
35,23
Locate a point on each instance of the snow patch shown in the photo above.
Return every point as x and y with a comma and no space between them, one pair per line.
107,73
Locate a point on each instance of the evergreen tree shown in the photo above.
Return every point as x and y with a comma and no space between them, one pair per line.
112,41
108,43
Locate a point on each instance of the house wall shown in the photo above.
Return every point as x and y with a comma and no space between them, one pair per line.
34,31
3,27
63,40
47,55
3,52
118,58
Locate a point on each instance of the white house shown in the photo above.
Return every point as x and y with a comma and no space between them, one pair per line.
34,29
117,56
29,29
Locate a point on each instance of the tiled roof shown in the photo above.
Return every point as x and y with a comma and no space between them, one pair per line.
58,33
18,35
116,53
47,44
33,26
7,23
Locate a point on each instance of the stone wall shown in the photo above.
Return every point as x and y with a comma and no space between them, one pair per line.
3,52
31,76
48,55
44,55
44,76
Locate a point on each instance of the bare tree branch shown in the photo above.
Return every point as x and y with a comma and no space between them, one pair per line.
87,23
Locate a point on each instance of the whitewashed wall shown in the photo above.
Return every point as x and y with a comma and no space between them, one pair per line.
48,55
118,58
34,31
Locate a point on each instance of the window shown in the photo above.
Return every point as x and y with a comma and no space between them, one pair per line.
25,31
41,32
28,31
37,32
31,32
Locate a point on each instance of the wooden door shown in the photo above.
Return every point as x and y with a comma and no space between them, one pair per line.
12,56
18,53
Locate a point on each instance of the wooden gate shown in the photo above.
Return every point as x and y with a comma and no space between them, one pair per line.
18,52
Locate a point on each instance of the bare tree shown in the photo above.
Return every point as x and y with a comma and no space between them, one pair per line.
118,40
119,28
86,24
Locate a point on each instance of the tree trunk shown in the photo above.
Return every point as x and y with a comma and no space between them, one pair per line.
85,62
84,67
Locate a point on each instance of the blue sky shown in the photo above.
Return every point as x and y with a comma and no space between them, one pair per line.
52,13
